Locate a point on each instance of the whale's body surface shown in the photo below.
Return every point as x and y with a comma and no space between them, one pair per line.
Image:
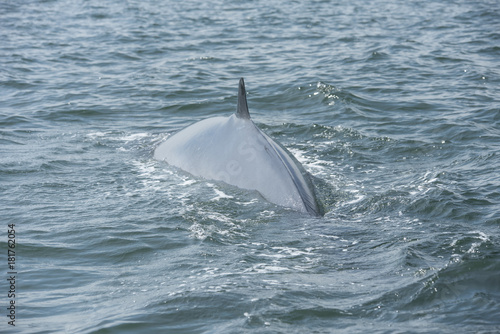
234,150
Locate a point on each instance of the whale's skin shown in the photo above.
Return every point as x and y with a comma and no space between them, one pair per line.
234,150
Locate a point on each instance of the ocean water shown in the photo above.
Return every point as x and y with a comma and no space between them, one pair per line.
392,106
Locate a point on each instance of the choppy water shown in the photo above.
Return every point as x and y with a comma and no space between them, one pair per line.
393,106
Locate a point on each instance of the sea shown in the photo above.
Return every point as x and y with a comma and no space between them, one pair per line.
392,106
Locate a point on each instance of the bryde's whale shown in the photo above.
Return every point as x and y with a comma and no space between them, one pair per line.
234,150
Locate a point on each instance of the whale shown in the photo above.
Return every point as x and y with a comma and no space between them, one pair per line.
232,149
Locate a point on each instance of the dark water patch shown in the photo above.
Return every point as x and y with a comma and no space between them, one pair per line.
65,113
79,279
470,286
11,121
316,314
7,141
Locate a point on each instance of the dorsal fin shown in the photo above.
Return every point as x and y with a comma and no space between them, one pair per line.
242,108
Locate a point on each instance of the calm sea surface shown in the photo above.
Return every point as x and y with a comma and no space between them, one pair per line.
393,107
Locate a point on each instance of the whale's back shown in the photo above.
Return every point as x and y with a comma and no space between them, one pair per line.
234,150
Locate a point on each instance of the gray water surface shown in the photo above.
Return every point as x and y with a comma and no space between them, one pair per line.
392,106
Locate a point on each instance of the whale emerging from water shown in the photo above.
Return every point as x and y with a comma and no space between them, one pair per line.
234,150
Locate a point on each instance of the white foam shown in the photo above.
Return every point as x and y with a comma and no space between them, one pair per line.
133,137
